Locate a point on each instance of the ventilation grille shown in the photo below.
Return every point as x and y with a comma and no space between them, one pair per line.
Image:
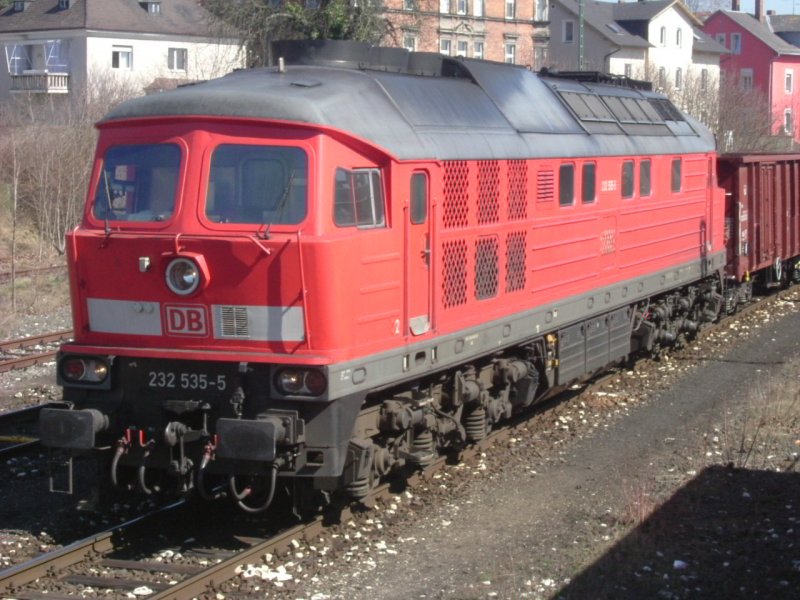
545,185
234,321
456,193
488,191
515,261
486,272
454,280
517,190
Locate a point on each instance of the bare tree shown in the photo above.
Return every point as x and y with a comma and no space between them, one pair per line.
52,141
258,23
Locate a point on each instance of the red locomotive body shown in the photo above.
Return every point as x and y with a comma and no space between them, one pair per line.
326,273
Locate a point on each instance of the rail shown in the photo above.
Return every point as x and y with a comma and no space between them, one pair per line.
28,360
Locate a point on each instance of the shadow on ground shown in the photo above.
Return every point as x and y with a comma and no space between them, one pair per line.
728,533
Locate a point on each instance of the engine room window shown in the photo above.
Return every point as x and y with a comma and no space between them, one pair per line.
257,185
419,198
627,179
588,183
676,175
358,199
644,178
138,183
566,185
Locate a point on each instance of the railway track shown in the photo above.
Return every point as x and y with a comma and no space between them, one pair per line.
62,571
12,361
18,429
6,275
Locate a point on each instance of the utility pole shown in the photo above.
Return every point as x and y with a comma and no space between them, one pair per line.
580,35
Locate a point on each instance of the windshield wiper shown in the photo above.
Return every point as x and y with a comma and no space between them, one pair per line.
108,202
281,206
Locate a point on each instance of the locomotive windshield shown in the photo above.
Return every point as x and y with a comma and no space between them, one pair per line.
138,183
257,184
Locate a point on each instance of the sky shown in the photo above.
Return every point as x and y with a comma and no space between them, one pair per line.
781,7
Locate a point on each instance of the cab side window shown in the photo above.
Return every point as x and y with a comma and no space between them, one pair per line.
358,199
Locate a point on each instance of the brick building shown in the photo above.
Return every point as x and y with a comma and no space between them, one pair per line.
513,31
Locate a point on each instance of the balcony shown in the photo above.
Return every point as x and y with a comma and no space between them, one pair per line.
40,82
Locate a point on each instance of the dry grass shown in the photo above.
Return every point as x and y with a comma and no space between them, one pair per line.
765,434
34,292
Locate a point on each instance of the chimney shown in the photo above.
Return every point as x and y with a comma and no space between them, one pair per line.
735,6
760,6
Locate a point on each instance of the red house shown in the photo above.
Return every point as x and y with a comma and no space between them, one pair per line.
761,60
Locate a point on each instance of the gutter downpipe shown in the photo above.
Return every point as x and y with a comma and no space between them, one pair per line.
606,62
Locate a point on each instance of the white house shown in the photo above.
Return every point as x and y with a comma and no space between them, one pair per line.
59,46
660,40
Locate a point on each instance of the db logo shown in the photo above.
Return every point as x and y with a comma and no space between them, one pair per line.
186,320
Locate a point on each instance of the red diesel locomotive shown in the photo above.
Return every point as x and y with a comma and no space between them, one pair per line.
319,273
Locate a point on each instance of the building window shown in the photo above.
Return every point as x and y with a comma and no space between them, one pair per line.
19,58
736,43
177,59
627,179
628,70
662,77
19,6
663,36
541,13
568,32
444,6
539,56
788,126
675,179
704,79
461,7
566,185
122,57
410,42
589,183
477,50
409,5
511,54
477,8
678,78
444,47
63,4
679,38
721,38
462,49
746,79
789,81
511,8
154,8
644,178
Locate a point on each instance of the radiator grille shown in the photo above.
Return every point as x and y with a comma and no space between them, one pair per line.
515,261
488,191
486,274
545,185
517,190
234,321
454,282
456,193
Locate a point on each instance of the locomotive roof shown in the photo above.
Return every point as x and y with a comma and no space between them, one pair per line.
454,110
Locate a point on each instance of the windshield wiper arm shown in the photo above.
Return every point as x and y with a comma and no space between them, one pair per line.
281,206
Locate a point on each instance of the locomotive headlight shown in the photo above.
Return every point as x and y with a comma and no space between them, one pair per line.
183,276
79,369
301,382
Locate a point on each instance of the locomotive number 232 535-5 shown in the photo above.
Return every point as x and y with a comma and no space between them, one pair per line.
185,381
